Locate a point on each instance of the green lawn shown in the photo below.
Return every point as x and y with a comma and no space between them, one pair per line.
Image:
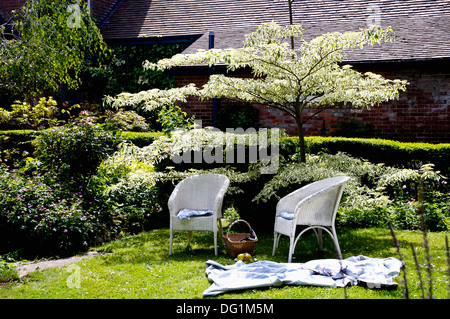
140,268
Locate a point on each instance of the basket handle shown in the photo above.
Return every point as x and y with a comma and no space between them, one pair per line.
252,232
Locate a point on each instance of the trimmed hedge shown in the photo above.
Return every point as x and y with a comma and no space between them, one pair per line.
372,149
140,139
15,145
389,152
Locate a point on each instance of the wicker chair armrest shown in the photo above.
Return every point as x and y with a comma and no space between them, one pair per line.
219,199
289,202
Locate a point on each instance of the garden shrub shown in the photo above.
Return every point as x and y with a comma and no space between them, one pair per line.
8,272
172,117
126,189
201,143
38,216
406,216
136,192
140,139
125,121
15,146
392,153
74,151
401,215
373,186
25,116
123,187
124,71
362,217
367,188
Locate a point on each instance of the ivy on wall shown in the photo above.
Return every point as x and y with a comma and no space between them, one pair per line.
124,72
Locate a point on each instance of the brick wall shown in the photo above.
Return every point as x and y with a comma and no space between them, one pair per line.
202,110
422,113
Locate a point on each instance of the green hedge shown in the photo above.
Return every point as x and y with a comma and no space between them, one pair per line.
15,145
376,150
141,139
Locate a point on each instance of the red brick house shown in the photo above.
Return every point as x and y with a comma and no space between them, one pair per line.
421,53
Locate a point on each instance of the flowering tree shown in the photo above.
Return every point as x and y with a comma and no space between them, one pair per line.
309,76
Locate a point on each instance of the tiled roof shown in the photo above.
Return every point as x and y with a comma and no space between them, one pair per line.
422,27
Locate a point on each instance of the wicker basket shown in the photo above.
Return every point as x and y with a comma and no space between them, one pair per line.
237,243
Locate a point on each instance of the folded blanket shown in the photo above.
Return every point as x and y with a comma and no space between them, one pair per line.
323,272
187,213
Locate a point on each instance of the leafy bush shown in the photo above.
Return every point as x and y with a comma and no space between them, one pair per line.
363,217
372,185
124,72
172,117
140,139
392,153
74,151
15,146
125,188
23,115
129,185
37,218
402,215
7,272
368,187
125,121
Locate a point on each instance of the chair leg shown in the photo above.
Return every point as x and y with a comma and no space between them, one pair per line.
319,238
171,242
276,238
215,242
291,248
215,246
336,243
221,231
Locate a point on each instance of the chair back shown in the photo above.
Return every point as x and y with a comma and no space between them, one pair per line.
319,206
200,192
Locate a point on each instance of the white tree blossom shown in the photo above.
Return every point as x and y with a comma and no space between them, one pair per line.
153,98
310,76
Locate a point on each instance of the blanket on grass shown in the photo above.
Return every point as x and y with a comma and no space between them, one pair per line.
374,272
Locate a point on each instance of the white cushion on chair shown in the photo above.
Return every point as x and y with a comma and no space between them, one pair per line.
287,215
187,213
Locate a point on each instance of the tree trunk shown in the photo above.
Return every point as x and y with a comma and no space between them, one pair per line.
301,138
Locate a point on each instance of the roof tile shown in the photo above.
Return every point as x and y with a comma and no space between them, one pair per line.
421,26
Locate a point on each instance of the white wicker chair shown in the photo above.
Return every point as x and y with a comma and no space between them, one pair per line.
199,192
315,206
